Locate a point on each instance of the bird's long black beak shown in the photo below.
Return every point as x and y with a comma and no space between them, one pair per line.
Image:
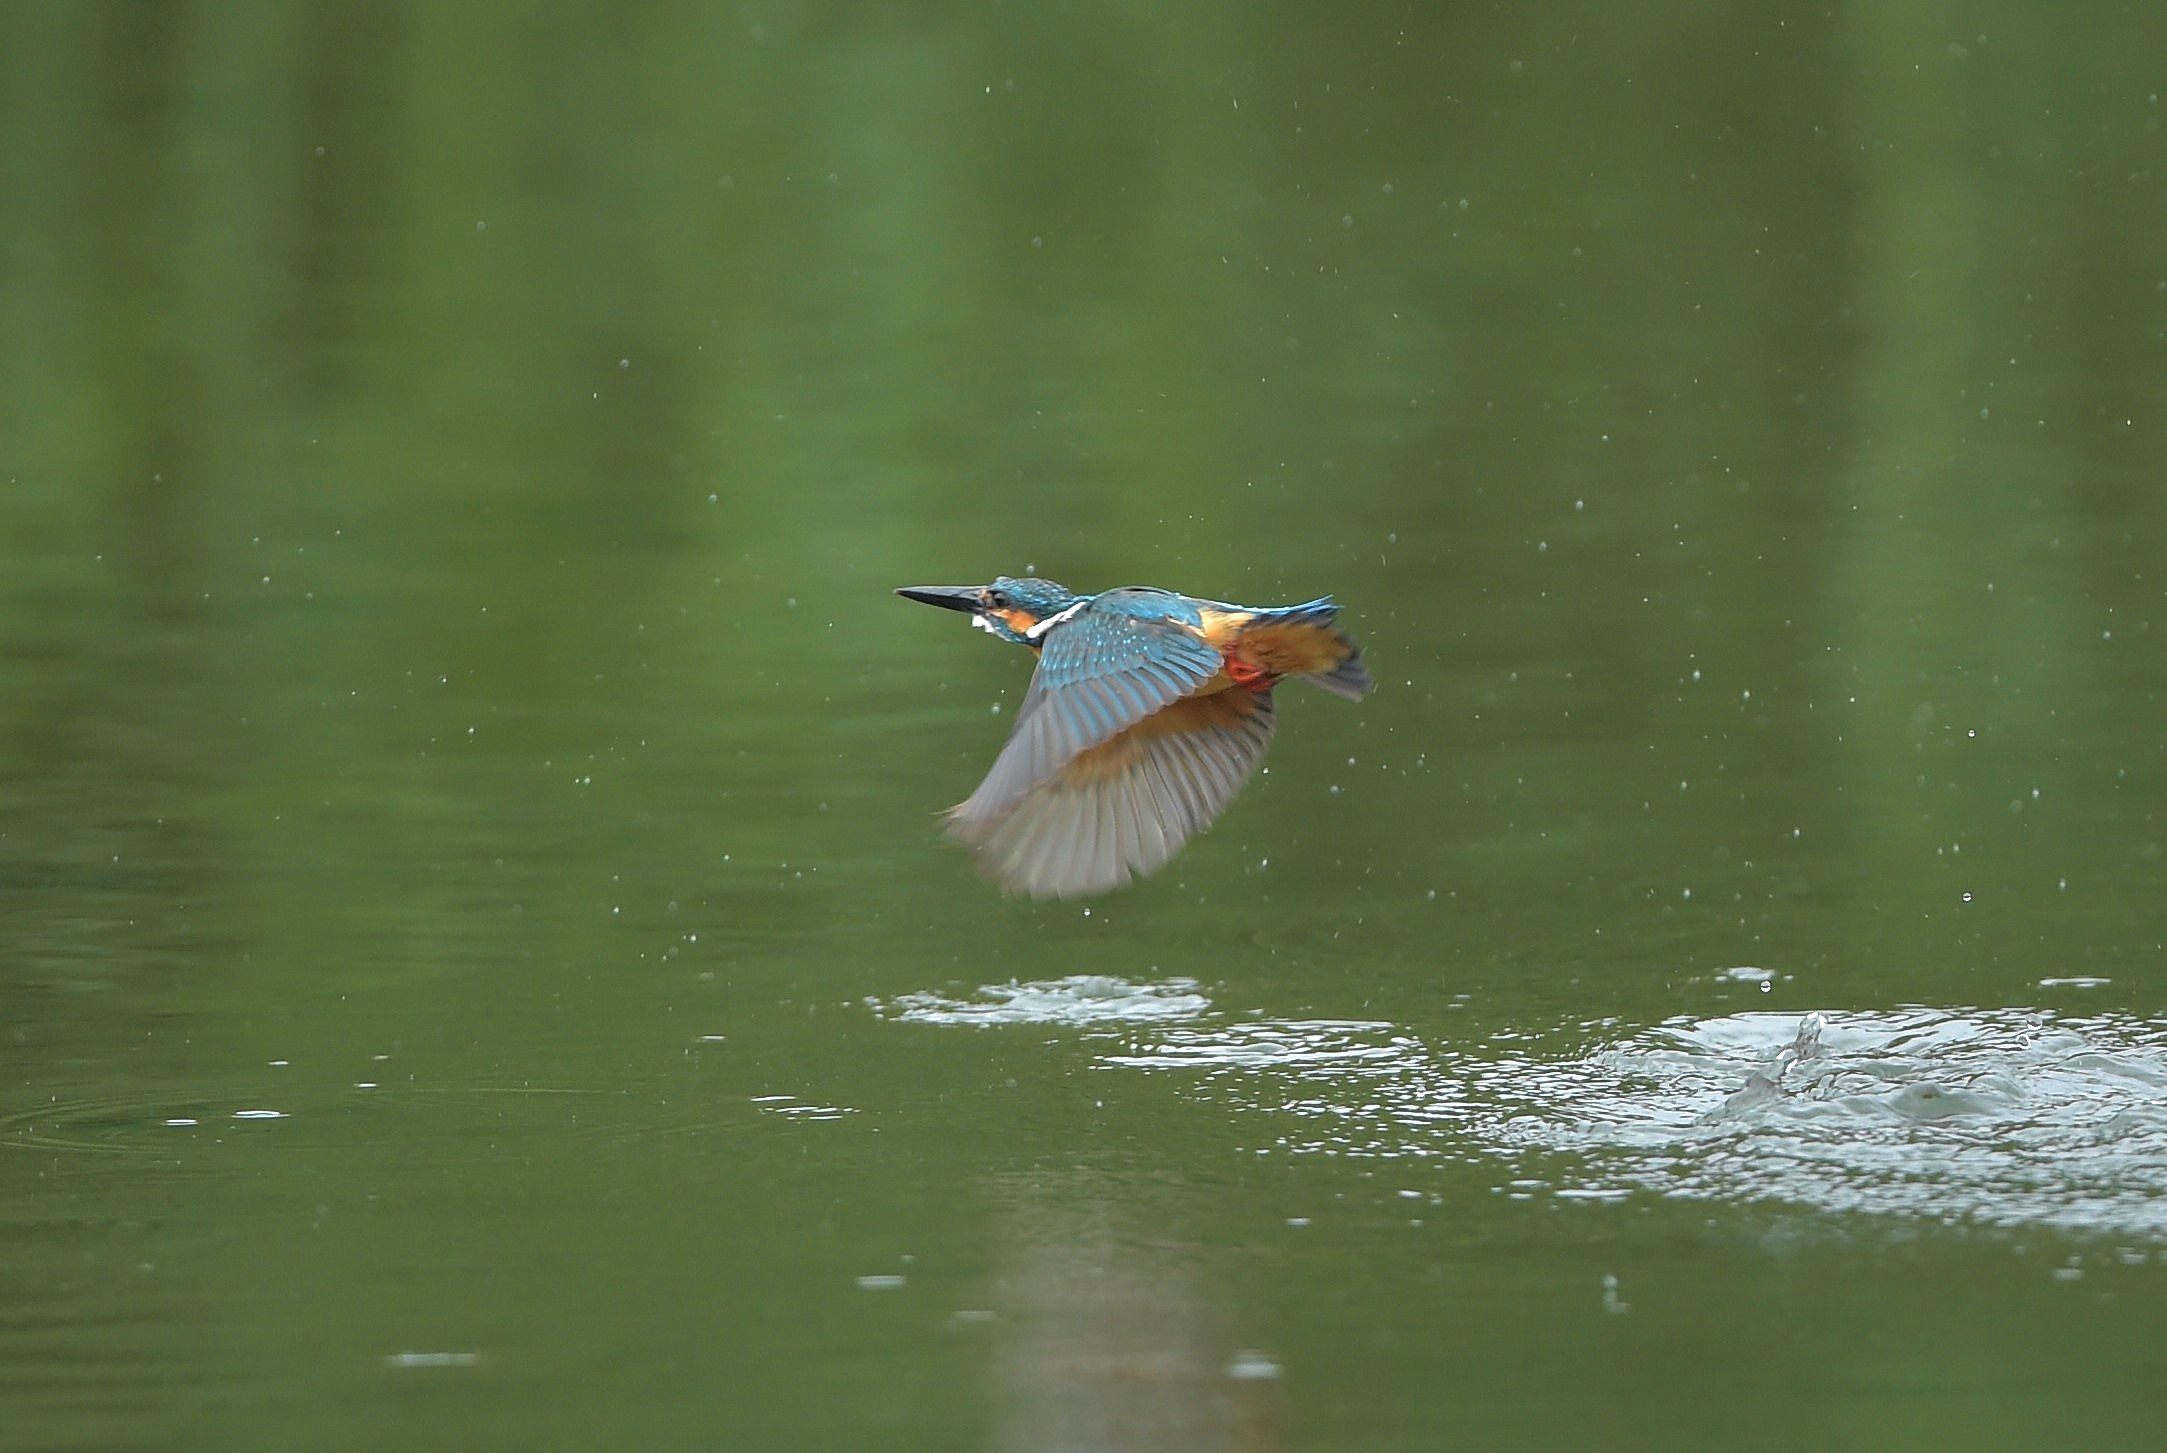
948,597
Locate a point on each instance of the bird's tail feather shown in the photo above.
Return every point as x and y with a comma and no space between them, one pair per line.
1350,678
1309,613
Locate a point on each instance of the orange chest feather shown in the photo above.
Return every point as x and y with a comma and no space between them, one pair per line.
1211,708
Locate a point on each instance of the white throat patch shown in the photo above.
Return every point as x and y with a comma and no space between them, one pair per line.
1039,628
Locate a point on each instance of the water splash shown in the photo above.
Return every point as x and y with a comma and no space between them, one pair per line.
1077,1000
2000,1117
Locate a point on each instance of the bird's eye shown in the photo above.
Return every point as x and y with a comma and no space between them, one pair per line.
997,599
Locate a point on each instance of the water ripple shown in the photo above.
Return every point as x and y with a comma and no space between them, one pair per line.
1077,1000
2002,1117
1342,1045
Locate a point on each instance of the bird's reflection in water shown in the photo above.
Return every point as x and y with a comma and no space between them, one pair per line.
1114,1334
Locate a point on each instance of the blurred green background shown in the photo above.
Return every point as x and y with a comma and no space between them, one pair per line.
453,463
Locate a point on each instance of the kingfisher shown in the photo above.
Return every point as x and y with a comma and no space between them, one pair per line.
1148,711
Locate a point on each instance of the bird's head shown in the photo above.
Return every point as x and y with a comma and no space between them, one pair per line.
1008,608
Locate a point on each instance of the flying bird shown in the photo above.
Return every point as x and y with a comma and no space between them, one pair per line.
1147,713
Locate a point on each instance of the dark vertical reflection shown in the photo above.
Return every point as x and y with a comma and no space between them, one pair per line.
110,678
110,698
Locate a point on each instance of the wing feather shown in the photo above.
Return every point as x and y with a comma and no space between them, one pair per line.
1124,806
1100,672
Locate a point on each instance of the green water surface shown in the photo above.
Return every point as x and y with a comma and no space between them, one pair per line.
478,965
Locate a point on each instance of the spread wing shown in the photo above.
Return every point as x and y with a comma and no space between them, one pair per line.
1120,657
1126,805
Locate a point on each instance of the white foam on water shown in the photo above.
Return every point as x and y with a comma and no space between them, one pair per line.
1076,1000
1980,1116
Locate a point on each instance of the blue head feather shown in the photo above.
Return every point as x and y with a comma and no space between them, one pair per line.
1035,598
